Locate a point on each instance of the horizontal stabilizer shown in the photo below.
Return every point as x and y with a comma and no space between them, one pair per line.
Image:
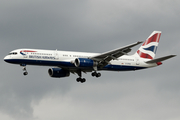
160,59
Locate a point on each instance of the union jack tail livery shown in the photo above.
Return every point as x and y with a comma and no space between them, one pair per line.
149,47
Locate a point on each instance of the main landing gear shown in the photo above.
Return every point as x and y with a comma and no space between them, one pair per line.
24,69
96,74
82,80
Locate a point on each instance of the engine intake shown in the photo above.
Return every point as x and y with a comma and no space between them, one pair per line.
84,62
58,73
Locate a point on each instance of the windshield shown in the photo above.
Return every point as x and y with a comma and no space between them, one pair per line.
13,53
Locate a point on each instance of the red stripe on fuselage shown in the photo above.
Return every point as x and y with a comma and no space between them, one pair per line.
27,51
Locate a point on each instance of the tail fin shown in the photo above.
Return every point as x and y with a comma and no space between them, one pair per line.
149,47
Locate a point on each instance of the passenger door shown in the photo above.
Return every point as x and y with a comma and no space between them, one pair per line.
56,55
137,61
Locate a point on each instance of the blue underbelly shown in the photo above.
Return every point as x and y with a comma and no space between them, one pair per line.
70,65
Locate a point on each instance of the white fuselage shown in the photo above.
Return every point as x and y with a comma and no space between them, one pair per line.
65,59
66,62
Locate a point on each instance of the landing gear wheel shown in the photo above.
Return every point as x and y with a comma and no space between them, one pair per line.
83,80
25,73
98,75
93,74
78,79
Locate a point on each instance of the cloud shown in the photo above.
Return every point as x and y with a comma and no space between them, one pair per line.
128,100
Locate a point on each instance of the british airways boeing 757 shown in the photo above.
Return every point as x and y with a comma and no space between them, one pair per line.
65,62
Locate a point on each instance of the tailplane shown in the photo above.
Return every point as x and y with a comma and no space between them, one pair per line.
158,60
149,47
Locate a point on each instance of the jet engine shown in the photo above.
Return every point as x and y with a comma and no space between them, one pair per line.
58,72
84,62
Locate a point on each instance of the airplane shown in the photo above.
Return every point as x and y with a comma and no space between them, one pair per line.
65,62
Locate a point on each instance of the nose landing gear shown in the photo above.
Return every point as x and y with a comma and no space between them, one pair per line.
24,69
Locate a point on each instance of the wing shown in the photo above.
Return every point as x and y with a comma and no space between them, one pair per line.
104,58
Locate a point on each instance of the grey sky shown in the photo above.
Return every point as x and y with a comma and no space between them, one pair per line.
90,26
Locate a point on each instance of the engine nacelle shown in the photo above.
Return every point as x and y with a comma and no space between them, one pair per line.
84,62
57,72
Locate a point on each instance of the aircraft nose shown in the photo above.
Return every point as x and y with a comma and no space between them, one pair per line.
6,58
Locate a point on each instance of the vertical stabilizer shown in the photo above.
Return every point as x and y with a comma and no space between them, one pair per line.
149,47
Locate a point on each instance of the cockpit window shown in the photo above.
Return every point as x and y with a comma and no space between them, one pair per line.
13,53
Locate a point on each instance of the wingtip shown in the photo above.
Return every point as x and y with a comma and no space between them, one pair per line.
139,42
173,55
